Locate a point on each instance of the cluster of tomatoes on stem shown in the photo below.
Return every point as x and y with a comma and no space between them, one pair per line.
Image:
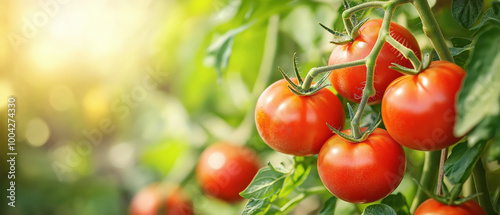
379,63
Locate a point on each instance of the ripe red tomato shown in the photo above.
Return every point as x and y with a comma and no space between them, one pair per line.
419,111
349,82
224,170
297,125
433,207
149,201
362,172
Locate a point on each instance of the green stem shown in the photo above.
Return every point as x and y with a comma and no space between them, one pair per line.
427,179
479,175
369,90
293,202
305,193
432,30
318,70
408,53
315,190
347,14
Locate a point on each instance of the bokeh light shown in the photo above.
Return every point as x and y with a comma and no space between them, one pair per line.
37,132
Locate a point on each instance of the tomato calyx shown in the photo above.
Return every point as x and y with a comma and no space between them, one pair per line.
449,197
352,28
364,135
303,88
338,38
341,38
426,62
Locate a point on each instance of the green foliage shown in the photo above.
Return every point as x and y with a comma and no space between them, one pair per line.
492,16
466,12
379,209
329,206
268,181
460,50
398,203
220,51
299,174
461,161
481,92
270,190
256,207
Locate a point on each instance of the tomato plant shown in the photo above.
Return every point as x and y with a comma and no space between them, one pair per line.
420,111
349,82
297,125
428,104
156,199
225,169
433,207
362,172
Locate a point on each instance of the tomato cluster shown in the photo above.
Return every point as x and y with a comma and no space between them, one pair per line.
417,110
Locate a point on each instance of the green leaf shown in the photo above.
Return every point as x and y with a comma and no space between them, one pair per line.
461,161
329,206
460,42
485,130
302,168
460,55
379,209
256,207
219,52
266,183
460,51
492,15
398,203
466,12
480,93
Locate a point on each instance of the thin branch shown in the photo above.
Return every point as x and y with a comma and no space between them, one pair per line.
444,155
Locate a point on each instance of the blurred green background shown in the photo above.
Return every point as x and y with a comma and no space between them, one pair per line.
114,95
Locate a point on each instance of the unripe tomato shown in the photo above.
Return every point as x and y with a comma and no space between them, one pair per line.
349,82
224,170
153,199
419,110
433,207
362,172
297,125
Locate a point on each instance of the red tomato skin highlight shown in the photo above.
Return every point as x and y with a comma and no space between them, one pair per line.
419,111
362,172
225,169
349,82
297,125
433,207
